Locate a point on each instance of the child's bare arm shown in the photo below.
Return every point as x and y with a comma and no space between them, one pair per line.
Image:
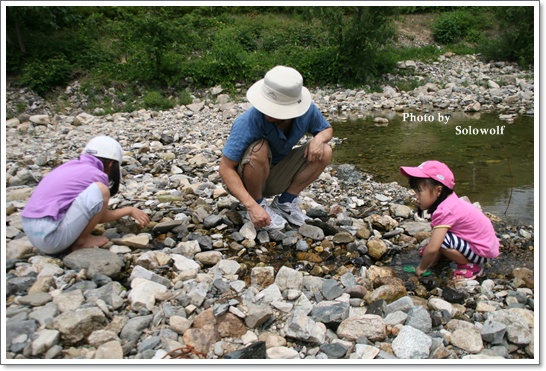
140,216
432,251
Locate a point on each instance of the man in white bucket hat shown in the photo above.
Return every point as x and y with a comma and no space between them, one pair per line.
259,159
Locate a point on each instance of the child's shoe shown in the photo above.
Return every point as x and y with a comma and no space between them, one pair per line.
467,271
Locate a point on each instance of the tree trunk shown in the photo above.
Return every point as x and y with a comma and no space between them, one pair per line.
20,38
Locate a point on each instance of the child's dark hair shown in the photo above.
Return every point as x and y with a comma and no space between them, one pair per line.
113,175
418,184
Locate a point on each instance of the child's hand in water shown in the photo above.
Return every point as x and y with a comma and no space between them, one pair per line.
411,269
421,273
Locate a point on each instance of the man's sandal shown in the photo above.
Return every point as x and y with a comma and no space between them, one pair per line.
467,271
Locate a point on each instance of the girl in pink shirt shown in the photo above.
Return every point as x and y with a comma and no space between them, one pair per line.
460,231
73,198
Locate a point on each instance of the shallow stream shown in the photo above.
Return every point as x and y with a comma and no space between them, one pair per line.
492,159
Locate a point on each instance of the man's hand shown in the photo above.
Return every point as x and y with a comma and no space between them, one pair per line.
259,217
314,150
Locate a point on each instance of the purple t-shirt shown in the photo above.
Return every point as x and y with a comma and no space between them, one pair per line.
469,223
58,189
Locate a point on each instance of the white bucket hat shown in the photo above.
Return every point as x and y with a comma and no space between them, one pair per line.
280,94
105,147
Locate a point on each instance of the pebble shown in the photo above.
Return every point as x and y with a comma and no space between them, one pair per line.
202,282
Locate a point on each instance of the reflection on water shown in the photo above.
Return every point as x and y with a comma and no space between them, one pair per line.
495,168
520,202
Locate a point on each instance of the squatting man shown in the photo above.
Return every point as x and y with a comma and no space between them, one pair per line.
259,159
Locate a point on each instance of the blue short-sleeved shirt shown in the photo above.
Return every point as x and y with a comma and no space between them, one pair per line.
252,125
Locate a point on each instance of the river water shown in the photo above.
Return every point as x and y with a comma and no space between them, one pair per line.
493,160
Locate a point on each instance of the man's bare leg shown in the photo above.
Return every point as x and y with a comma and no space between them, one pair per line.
256,172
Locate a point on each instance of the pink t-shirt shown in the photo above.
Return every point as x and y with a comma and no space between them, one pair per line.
58,189
469,223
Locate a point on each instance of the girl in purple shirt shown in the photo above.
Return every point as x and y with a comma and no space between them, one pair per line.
73,198
460,231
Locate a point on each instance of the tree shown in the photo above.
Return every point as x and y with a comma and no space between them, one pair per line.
152,33
361,34
518,28
37,18
14,17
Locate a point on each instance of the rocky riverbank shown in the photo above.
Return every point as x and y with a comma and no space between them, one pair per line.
200,282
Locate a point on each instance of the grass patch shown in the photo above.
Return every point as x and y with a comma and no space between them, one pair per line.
428,53
155,100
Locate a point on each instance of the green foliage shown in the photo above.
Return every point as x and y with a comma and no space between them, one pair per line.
227,62
454,26
407,84
447,30
517,36
242,53
96,91
29,30
159,49
43,75
415,9
42,18
155,100
462,49
427,53
474,36
20,107
361,36
184,98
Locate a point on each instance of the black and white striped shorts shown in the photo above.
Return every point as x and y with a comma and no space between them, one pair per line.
453,242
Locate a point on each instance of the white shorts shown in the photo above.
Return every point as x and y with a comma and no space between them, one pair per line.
53,236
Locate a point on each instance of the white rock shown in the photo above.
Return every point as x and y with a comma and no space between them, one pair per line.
143,293
281,353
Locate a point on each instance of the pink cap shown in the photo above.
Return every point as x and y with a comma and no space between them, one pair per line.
431,169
